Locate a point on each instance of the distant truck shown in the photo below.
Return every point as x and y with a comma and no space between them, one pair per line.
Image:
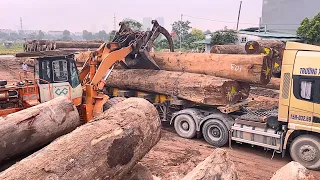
293,126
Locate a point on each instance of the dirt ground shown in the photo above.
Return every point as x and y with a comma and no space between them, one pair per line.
174,154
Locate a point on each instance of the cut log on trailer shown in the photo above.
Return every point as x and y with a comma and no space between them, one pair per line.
106,148
228,49
248,68
32,128
197,88
273,84
76,44
257,47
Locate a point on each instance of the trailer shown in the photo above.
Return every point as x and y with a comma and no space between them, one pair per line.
294,126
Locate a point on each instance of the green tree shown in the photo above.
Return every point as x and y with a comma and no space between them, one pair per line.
101,35
40,35
111,35
133,24
86,35
195,35
309,30
222,37
181,28
66,35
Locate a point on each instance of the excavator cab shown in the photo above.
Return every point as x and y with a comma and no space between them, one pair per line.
58,76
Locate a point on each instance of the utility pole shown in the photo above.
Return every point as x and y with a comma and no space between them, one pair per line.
114,22
181,33
239,15
21,28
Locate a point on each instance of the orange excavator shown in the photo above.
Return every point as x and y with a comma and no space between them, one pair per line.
58,75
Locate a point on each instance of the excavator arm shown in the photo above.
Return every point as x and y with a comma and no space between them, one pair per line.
129,48
107,65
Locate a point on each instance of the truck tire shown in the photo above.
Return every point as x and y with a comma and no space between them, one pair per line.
111,102
185,126
215,132
305,149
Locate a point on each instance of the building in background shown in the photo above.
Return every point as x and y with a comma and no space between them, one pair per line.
160,21
146,23
286,15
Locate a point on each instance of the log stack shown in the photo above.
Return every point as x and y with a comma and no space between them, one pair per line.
251,69
49,45
228,49
106,148
261,46
198,88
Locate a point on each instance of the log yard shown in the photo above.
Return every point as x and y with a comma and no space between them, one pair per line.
145,102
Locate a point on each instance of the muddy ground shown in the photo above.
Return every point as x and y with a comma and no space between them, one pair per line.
174,154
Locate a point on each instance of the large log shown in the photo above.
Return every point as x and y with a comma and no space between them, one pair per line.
293,171
29,129
228,49
247,68
273,84
257,47
217,166
77,44
197,88
106,148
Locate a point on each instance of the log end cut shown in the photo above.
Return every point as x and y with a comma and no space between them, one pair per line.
266,72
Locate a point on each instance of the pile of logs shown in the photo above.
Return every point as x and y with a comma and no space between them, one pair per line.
109,147
273,48
49,45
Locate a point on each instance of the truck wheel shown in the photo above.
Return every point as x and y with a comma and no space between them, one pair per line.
305,149
185,126
215,132
113,101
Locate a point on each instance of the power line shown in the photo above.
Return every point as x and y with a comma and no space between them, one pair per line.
221,21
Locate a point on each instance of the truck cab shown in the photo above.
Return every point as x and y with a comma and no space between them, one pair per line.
299,102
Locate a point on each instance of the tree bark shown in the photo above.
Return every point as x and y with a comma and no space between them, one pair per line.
293,171
29,129
106,148
139,172
228,49
274,84
77,44
197,88
217,166
257,47
247,68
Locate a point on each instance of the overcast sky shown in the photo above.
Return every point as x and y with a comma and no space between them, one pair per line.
94,15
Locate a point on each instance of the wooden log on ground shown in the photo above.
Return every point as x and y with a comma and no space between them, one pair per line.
197,88
29,129
77,44
228,49
247,68
217,166
139,172
293,171
106,148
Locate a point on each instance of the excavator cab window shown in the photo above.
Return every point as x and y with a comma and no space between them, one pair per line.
74,80
58,70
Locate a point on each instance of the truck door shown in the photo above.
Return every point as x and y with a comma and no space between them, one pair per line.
304,90
316,112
